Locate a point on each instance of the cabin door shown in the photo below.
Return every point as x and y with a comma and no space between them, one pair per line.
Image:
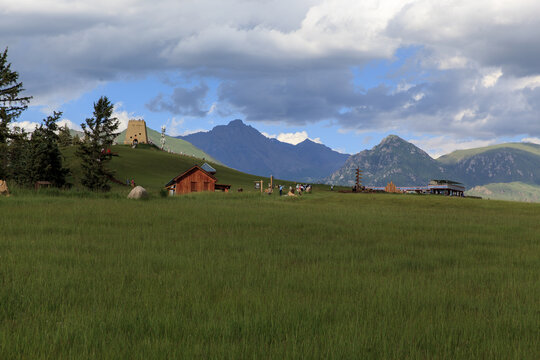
193,186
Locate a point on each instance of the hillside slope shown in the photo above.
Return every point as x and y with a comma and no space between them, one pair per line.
153,168
460,155
178,146
514,191
502,164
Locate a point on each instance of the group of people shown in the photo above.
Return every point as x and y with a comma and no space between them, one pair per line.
106,152
298,189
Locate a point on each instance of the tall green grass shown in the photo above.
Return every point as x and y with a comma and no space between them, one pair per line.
253,276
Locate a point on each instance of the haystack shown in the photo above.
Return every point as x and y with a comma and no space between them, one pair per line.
4,188
138,192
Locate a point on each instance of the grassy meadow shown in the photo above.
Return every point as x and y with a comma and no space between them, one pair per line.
152,169
245,275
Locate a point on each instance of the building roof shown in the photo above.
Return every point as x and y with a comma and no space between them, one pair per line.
187,172
209,169
444,182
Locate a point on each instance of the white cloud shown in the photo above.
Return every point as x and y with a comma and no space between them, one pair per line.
292,138
527,82
340,150
533,140
123,116
270,136
28,126
189,132
491,79
173,126
70,124
442,145
65,48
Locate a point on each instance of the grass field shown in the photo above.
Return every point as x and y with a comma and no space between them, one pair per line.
248,276
152,169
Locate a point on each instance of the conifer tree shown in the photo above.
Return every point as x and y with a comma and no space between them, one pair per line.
99,133
18,157
45,158
11,106
64,137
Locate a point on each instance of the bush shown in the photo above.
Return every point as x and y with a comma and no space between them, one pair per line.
163,192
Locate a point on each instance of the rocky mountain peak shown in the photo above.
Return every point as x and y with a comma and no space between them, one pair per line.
236,122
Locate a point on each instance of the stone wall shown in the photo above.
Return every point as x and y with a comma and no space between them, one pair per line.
136,131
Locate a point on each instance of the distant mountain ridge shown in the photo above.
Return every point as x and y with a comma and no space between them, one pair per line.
394,159
397,160
244,148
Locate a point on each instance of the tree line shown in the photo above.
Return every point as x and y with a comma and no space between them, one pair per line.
26,158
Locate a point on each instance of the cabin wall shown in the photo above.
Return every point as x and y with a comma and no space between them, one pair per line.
197,181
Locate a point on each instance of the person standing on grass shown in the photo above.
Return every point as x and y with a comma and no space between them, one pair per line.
280,190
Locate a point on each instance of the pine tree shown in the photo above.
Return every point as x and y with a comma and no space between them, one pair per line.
11,106
45,160
99,133
64,137
18,157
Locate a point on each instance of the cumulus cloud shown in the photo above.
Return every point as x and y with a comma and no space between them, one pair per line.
182,101
123,116
532,140
30,126
442,145
27,126
475,70
173,126
189,132
70,124
292,138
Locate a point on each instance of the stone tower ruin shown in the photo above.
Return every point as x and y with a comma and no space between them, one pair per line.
136,133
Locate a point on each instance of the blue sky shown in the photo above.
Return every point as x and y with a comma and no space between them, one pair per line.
443,75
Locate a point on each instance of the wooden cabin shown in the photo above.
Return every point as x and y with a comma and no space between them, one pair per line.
194,179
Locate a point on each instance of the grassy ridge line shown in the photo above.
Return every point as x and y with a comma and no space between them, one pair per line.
459,155
153,168
514,191
177,146
248,276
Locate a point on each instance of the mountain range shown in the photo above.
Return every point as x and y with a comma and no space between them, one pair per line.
244,148
397,160
503,171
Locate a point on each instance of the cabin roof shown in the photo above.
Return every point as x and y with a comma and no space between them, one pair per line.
444,182
209,169
187,172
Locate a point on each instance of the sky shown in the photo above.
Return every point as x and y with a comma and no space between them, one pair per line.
444,74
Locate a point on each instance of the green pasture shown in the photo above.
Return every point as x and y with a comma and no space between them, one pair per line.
153,168
251,276
173,144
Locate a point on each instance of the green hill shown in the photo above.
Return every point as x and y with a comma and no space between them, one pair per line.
153,168
459,155
514,191
172,144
